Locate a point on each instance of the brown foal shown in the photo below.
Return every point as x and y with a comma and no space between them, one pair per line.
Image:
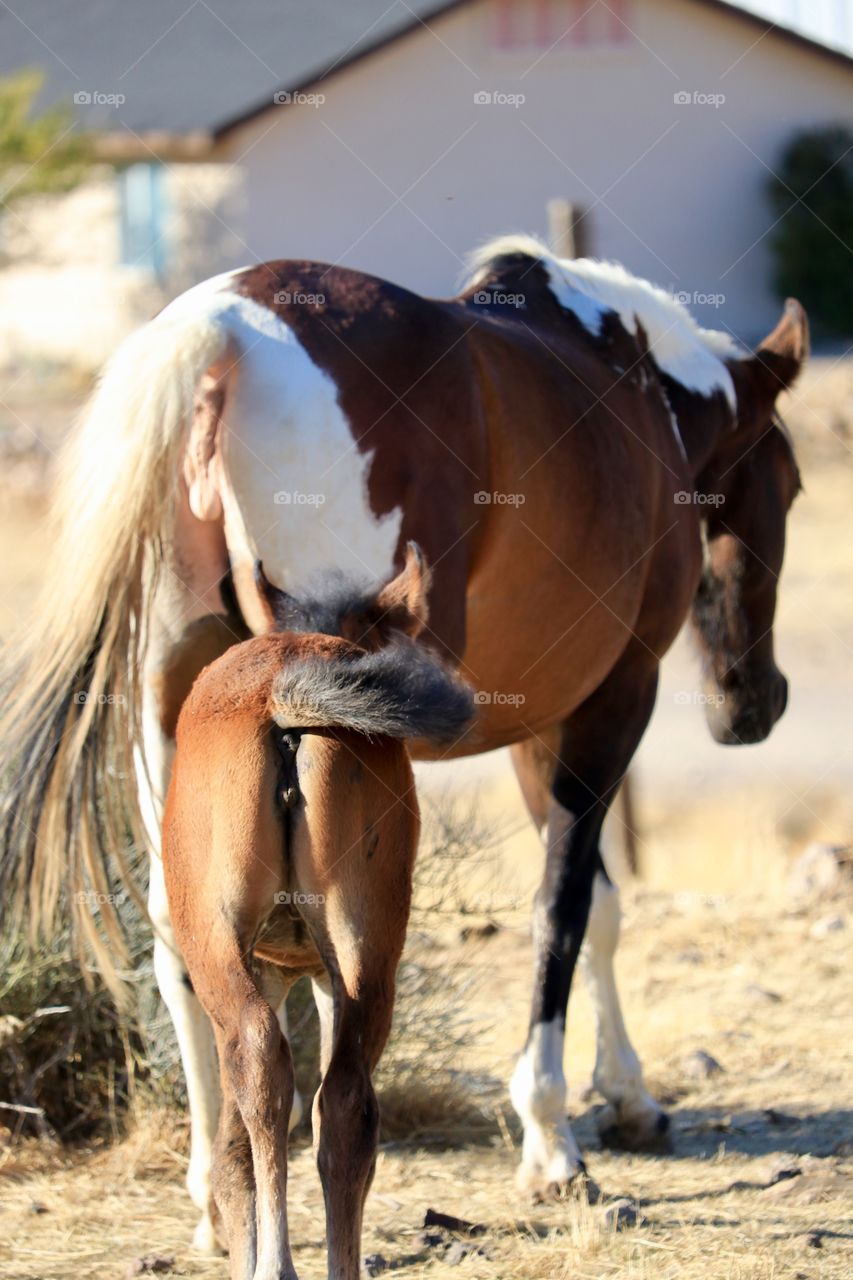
289,839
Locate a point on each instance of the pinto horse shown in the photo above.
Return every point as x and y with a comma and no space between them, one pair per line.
584,468
289,839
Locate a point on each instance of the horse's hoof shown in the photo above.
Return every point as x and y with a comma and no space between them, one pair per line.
632,1130
578,1186
204,1239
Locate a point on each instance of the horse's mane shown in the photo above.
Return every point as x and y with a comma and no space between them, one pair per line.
681,348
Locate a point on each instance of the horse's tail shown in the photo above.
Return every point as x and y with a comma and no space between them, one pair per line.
401,691
72,687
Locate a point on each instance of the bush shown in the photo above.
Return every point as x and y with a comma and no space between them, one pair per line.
812,194
39,152
74,1067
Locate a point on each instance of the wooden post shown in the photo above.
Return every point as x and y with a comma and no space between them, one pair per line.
567,228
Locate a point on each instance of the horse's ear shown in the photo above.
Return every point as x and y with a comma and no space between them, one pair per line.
403,602
273,602
784,351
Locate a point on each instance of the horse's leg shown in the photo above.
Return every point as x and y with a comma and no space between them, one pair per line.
257,1075
595,747
631,1118
360,934
346,1115
232,1180
192,1026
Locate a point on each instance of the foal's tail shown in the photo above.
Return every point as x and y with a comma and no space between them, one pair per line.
401,691
71,686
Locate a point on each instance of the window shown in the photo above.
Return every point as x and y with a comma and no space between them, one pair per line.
142,212
534,26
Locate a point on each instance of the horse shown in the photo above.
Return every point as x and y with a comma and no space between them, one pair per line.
289,838
584,467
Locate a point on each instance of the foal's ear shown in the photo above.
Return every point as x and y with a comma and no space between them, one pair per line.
274,604
402,602
784,351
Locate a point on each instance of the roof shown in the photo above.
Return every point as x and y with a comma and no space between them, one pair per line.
219,62
195,66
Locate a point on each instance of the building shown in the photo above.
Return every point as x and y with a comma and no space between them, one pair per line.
396,137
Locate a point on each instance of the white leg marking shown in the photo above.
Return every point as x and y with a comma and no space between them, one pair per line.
617,1075
325,1003
296,1109
192,1028
550,1156
274,1261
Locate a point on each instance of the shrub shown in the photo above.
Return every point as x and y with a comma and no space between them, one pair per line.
812,194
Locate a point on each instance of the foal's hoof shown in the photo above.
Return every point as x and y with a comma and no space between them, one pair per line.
634,1130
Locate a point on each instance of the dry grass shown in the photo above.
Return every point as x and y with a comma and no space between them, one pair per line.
710,931
688,968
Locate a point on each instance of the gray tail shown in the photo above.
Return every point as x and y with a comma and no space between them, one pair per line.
401,691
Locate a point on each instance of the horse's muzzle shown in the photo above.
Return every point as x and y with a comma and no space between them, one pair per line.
747,716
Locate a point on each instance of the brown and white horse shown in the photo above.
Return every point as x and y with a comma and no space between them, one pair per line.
583,467
289,839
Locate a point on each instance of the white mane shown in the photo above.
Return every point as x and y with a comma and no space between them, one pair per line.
689,354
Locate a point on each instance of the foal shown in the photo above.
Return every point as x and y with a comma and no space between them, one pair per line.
289,839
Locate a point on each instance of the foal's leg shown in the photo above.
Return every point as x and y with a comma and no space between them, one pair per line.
595,747
232,1179
346,1116
257,1075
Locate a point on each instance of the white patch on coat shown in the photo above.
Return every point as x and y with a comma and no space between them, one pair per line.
550,1156
286,501
691,355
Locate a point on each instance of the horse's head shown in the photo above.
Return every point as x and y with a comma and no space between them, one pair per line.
748,486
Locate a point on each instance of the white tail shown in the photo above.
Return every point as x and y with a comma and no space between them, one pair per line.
72,685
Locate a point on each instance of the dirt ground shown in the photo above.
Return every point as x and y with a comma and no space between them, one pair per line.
739,977
716,956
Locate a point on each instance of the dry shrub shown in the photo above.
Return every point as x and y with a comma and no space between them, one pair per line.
426,1089
72,1066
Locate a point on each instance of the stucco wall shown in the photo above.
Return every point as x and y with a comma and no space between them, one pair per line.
399,171
65,294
